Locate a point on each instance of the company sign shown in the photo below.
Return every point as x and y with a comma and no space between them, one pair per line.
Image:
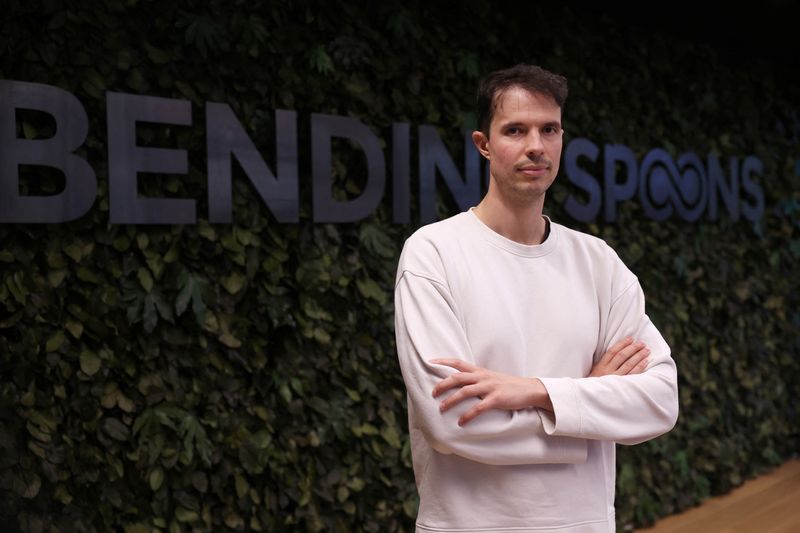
685,187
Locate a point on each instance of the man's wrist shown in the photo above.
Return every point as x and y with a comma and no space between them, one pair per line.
541,398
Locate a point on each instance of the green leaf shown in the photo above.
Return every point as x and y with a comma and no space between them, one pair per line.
191,290
75,328
156,478
156,55
186,283
116,429
369,289
392,436
229,340
200,481
90,362
55,342
84,274
164,309
242,487
27,485
188,91
149,315
16,285
62,495
185,515
195,439
145,279
56,277
377,241
136,81
313,310
75,251
233,520
353,394
234,282
356,484
122,243
319,60
322,336
29,130
206,231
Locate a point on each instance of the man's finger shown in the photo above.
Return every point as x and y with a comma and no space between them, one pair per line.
459,379
632,362
614,350
461,394
445,385
620,345
641,367
477,409
626,353
458,364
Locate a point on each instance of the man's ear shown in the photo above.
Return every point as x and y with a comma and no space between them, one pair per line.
481,142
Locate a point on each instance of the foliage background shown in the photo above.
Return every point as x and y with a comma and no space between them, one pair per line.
243,376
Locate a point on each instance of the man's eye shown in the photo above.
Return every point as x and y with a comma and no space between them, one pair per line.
552,130
513,131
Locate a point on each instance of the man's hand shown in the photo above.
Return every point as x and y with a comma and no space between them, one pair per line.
504,391
496,390
624,358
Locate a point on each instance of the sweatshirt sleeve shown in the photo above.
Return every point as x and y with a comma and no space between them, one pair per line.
427,327
625,409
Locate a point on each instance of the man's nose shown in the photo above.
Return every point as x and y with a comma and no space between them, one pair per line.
534,144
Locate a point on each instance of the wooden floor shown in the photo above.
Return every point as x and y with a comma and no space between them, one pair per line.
768,504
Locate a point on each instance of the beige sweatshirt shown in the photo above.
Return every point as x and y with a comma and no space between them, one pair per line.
547,311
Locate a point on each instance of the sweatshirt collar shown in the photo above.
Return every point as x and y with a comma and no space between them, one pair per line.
525,250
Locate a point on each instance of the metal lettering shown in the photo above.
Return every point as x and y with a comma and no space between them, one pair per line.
616,192
72,127
326,208
686,186
433,156
401,201
690,194
225,139
655,175
719,188
752,211
585,212
125,160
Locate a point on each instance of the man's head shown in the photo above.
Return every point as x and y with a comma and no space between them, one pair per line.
529,77
520,131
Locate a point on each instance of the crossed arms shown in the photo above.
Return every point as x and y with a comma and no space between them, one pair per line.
630,395
496,390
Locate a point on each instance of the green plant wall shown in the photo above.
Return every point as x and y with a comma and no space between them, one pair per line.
243,376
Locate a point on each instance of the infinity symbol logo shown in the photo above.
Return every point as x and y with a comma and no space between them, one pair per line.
663,185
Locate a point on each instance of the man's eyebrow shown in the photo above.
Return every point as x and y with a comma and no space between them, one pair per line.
553,123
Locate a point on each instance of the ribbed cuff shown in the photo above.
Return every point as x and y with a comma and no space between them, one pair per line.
565,420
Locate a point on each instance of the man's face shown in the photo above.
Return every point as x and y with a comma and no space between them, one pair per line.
524,144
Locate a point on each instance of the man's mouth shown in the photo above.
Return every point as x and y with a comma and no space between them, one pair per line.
533,169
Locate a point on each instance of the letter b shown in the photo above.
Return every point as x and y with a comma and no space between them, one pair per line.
72,126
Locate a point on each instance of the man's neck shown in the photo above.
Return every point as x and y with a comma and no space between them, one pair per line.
522,223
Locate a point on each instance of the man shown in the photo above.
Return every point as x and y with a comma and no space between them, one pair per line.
524,345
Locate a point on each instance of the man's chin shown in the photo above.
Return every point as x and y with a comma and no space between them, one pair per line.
528,193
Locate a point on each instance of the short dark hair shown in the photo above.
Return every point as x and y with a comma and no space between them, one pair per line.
529,77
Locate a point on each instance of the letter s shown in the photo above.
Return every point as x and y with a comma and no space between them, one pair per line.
584,212
752,211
